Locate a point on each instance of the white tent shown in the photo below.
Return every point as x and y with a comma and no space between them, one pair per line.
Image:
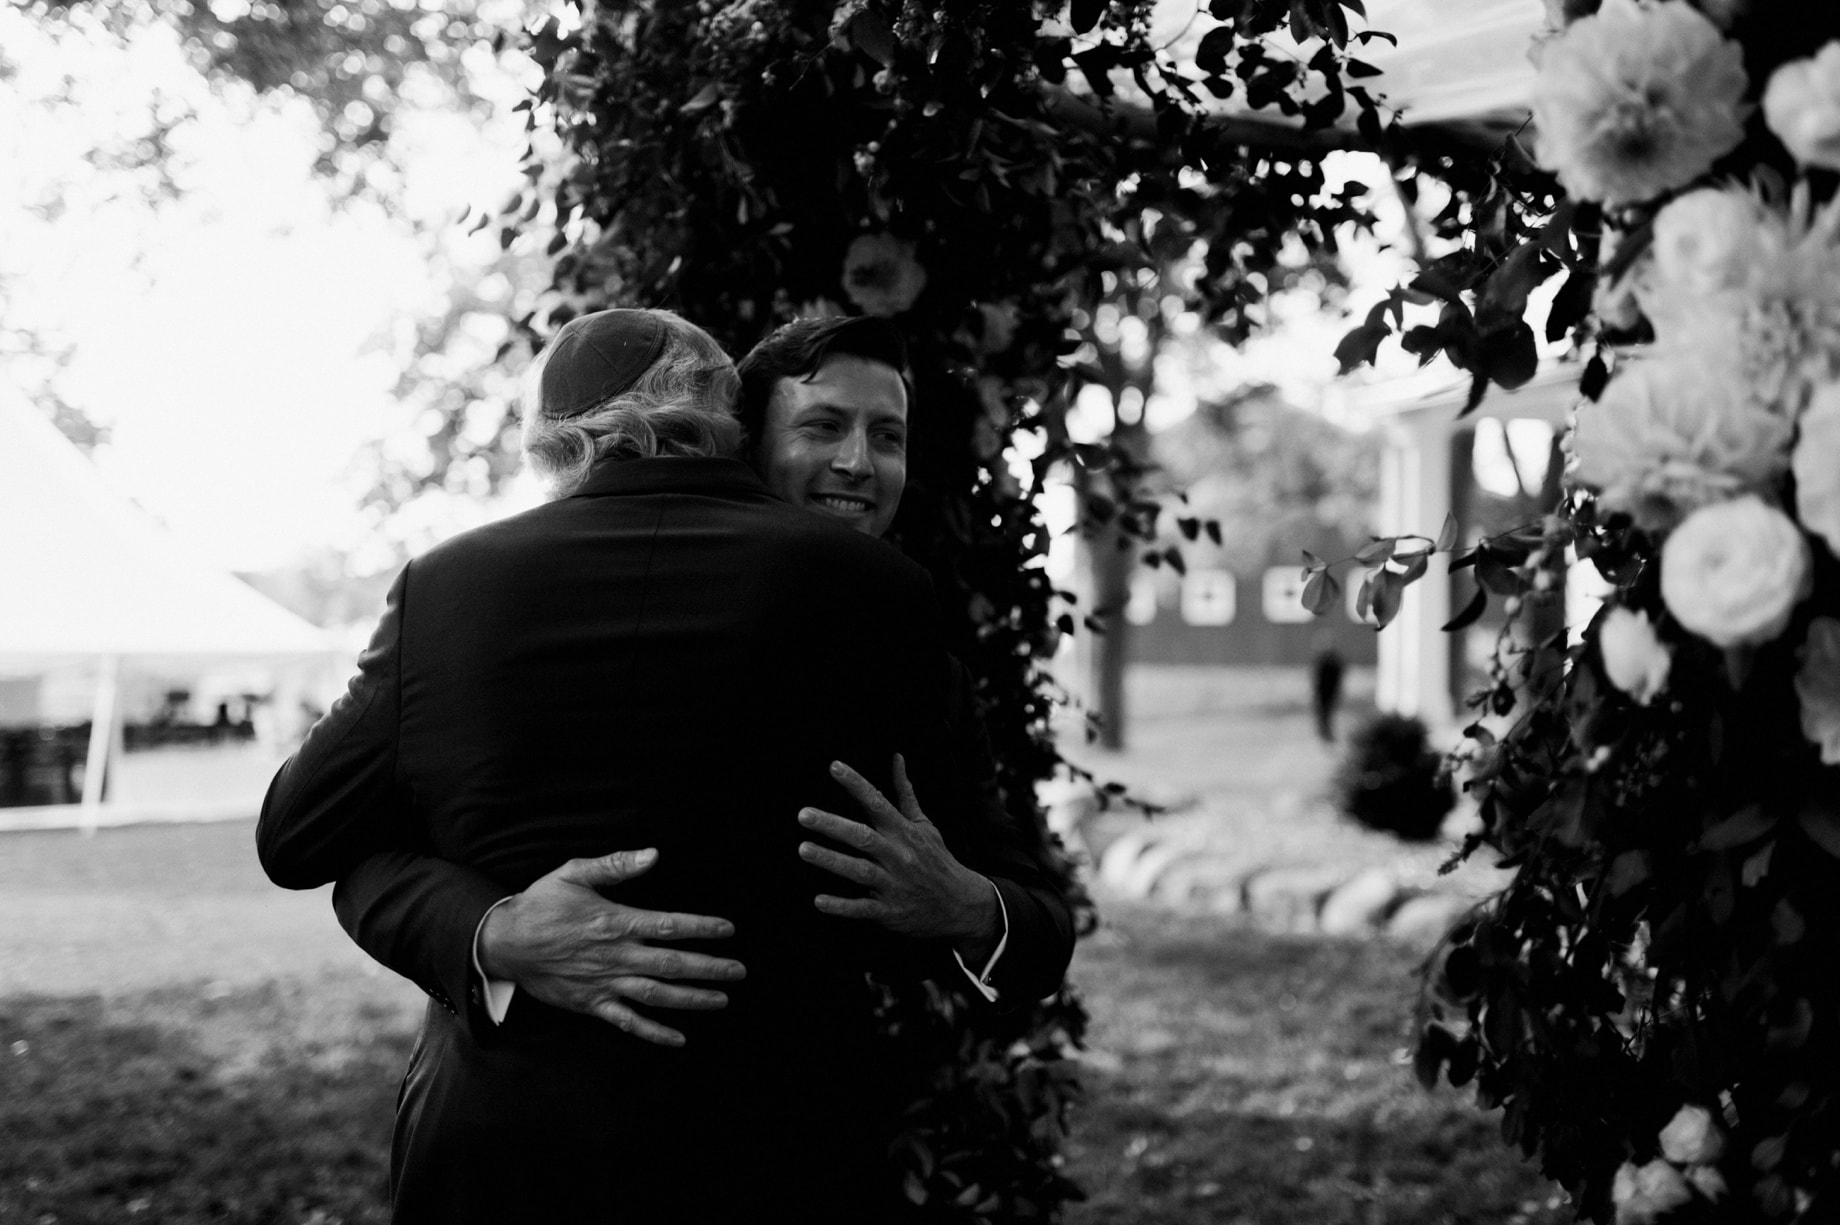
88,577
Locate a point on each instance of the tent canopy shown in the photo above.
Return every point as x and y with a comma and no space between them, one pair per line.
85,574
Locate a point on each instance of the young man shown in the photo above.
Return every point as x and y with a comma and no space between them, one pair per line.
665,657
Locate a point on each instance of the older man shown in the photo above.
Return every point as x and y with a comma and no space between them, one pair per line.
664,657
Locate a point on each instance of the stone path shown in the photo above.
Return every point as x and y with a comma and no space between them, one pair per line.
1288,863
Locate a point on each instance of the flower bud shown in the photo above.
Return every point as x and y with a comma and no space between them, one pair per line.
1691,1137
1802,106
1635,660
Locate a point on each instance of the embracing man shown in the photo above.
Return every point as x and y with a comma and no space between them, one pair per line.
668,661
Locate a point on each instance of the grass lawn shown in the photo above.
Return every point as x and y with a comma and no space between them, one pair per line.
1236,1076
1244,1078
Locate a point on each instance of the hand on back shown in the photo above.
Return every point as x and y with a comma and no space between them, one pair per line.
570,947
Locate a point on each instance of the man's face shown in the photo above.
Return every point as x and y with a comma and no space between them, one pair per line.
836,442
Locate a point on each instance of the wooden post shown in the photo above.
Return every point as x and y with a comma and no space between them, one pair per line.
102,737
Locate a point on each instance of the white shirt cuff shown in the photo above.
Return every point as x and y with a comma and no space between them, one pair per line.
497,994
982,981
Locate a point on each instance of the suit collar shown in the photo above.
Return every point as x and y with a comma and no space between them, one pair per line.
720,477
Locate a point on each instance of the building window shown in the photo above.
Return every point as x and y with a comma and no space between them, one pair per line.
1209,597
1283,596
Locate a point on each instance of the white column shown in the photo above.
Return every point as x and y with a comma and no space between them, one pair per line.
102,737
1413,677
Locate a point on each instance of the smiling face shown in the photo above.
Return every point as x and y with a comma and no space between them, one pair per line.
836,442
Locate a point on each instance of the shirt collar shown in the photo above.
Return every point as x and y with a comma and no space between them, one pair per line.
721,477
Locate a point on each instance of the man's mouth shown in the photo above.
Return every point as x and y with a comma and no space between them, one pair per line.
843,503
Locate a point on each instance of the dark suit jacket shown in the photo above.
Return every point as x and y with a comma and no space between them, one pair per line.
668,658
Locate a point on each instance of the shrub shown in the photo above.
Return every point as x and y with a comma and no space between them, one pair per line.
1392,780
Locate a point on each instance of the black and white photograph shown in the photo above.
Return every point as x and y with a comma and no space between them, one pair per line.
865,612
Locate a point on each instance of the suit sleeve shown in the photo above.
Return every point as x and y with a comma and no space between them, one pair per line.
993,842
338,811
339,797
417,915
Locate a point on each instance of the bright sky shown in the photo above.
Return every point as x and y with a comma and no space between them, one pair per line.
232,365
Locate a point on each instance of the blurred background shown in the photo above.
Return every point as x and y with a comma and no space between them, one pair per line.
268,275
276,347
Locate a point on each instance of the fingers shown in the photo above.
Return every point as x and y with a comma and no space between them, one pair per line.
668,925
675,963
654,994
904,796
644,1028
864,793
862,871
608,869
850,907
840,829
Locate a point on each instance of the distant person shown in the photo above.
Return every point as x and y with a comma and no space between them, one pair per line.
668,657
1326,669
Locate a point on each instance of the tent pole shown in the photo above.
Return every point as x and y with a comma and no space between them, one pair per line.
101,741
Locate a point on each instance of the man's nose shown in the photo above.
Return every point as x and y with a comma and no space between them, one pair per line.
852,456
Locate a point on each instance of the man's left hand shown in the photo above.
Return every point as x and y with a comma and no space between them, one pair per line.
912,884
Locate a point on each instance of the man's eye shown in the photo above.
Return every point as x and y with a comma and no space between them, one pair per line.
893,441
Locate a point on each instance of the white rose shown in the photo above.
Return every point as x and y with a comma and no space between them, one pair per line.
1734,571
1674,431
1643,1195
1636,100
1634,659
1691,1137
1802,106
1816,464
1707,241
1817,683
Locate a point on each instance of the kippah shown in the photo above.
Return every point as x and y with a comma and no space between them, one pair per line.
596,357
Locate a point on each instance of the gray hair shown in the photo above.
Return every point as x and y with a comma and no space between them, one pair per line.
683,405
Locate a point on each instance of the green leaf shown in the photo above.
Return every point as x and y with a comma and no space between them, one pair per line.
1626,872
1746,825
1510,356
1377,552
1570,305
1477,605
1361,345
703,99
1757,866
1447,535
1498,576
1211,55
871,34
1388,590
1319,594
1822,828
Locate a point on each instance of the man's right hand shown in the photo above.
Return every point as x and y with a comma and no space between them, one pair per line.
568,946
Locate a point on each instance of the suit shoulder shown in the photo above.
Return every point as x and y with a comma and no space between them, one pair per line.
476,544
816,546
